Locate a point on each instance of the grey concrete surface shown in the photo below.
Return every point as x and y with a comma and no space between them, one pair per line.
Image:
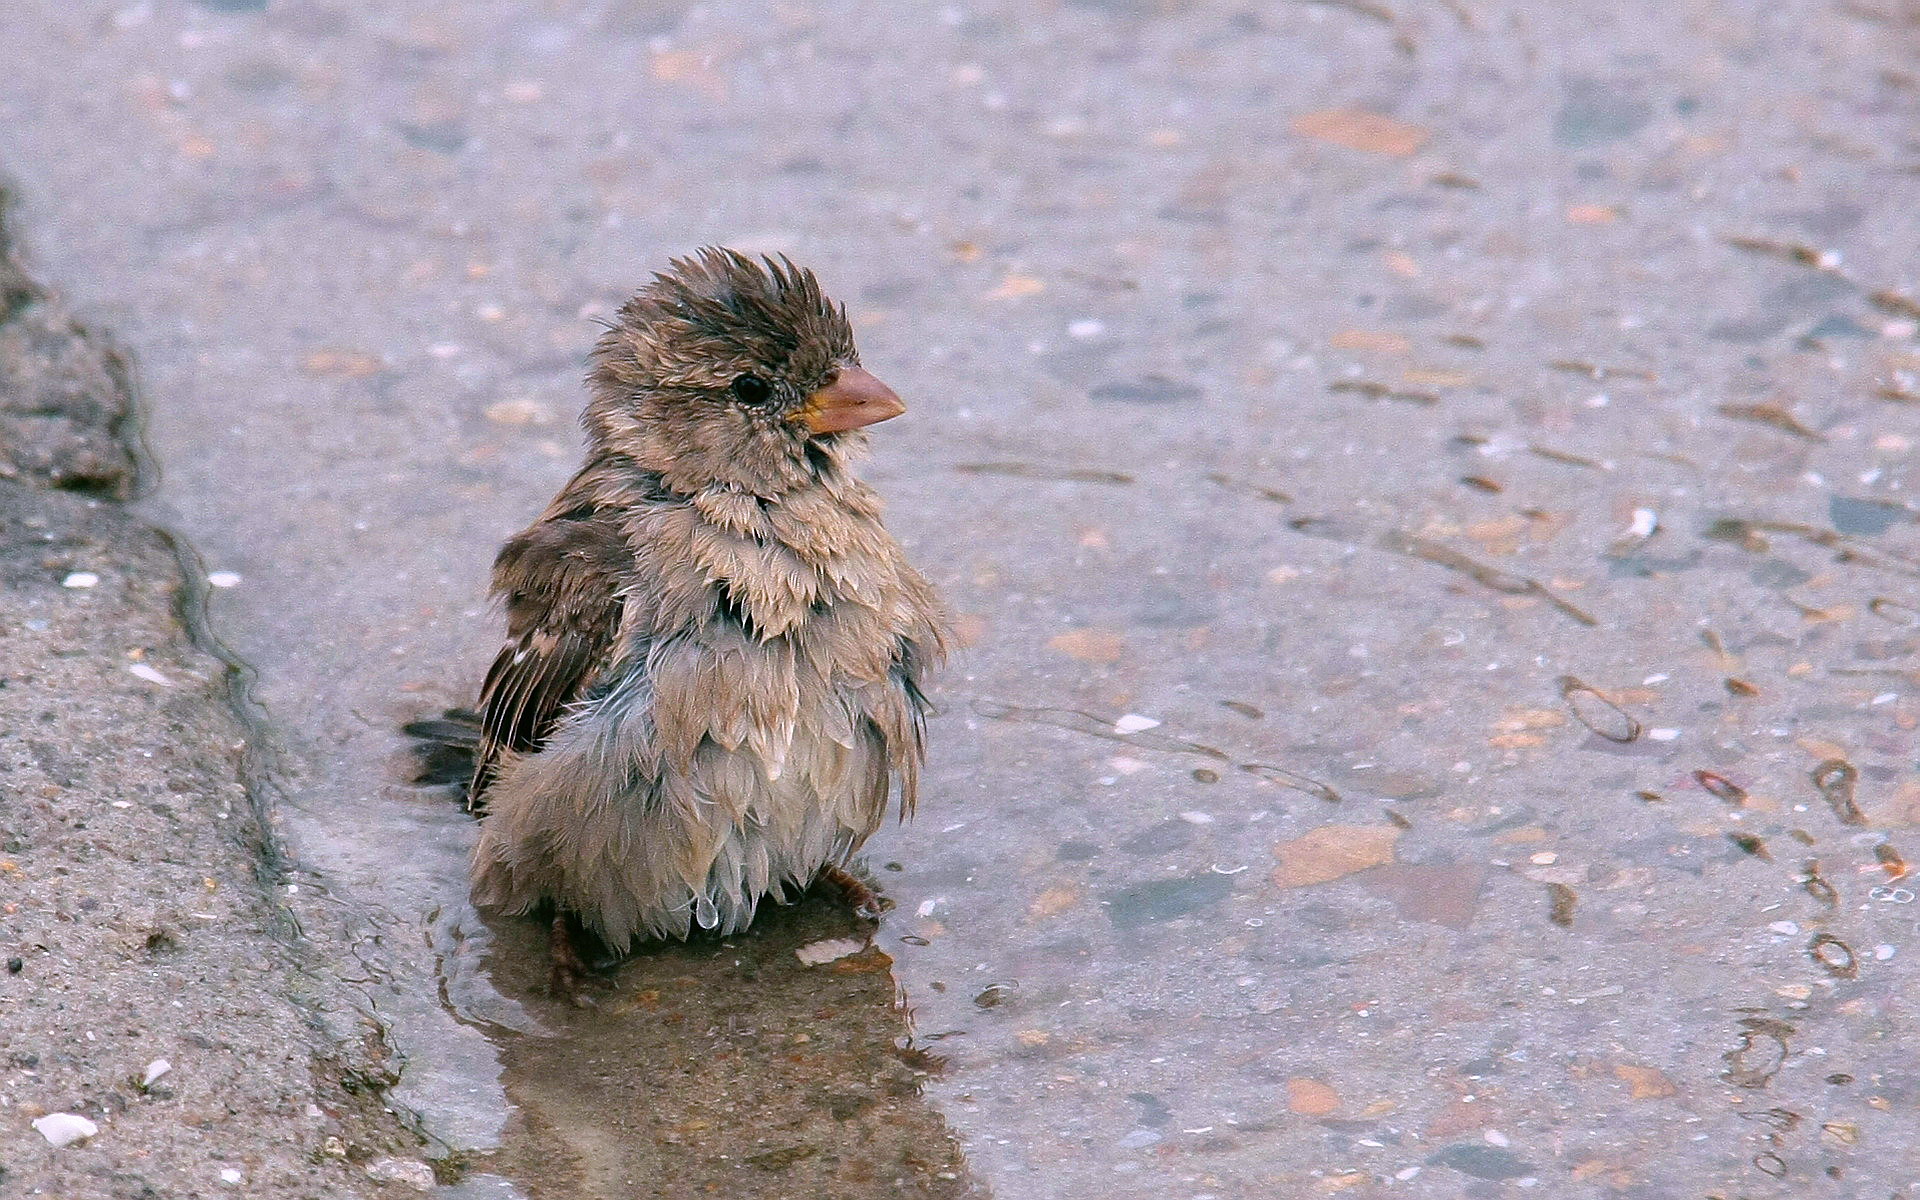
1427,487
152,981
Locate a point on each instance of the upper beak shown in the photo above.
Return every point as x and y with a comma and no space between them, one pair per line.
854,399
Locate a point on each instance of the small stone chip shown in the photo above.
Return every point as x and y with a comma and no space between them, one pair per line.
815,954
80,579
224,579
410,1171
1134,723
519,412
64,1129
143,671
1311,1097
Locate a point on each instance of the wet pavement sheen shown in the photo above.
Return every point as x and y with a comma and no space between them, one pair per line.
1426,488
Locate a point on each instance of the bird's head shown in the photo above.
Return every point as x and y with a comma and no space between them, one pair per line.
731,371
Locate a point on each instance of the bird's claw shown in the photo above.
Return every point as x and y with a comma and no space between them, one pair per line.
867,904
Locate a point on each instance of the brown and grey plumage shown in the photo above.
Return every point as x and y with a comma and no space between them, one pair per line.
712,678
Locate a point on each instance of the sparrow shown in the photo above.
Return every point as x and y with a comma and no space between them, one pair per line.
713,679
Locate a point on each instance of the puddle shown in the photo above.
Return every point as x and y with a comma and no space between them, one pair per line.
729,1068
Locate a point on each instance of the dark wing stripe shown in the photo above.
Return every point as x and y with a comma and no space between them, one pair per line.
546,692
487,762
514,722
529,698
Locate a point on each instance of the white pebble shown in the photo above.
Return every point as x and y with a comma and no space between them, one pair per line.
1883,952
1134,723
1496,1138
147,673
1662,735
231,1175
815,953
1197,818
80,579
1086,327
410,1171
64,1129
1645,521
1787,928
155,1070
224,579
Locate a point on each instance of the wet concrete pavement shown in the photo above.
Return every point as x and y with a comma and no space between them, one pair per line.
163,1029
1426,488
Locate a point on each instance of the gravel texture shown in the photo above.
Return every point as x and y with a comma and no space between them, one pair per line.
138,923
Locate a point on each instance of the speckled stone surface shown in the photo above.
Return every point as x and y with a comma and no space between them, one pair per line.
153,995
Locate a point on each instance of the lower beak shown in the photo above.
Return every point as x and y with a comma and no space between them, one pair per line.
853,400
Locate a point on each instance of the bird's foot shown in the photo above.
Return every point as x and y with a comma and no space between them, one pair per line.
867,904
567,971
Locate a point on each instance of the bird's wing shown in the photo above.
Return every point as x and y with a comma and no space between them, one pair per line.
560,579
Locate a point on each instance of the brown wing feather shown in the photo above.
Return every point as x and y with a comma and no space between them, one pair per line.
560,579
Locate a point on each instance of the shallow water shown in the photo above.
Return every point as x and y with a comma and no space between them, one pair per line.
1414,565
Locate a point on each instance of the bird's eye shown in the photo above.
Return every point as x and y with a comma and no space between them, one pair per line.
751,389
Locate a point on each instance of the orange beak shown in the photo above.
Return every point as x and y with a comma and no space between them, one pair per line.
854,399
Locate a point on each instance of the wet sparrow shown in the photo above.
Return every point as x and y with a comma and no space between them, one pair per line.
712,678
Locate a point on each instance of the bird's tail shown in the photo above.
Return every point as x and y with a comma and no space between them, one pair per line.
443,749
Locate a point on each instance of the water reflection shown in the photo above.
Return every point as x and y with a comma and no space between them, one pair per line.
723,1068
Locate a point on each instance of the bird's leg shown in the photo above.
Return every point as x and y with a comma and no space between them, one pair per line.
567,969
866,903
